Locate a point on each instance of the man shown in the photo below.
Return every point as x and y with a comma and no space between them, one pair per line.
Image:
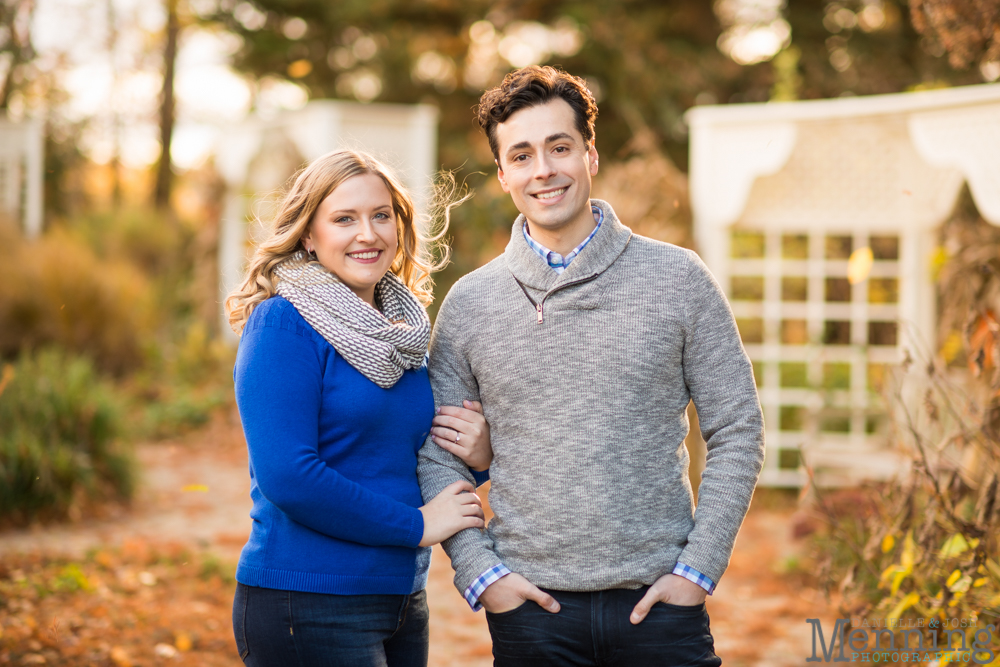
584,343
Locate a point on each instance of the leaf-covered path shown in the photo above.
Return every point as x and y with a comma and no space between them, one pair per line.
152,584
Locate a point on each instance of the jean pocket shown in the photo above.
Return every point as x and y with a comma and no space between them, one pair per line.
510,612
694,610
240,601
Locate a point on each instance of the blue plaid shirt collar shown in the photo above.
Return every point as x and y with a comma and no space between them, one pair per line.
557,262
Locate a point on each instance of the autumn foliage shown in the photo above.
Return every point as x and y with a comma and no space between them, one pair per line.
135,605
969,30
926,546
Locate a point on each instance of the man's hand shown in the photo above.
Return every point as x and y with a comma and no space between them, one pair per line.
465,433
669,588
513,590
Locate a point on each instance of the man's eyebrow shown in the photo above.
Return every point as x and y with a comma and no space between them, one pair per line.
521,145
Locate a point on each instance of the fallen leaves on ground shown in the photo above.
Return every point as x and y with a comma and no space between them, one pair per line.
139,605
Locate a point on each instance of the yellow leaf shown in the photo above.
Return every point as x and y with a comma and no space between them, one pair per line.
953,578
954,546
183,641
909,551
120,657
903,605
195,487
959,587
888,542
898,580
905,567
952,346
860,265
938,260
981,581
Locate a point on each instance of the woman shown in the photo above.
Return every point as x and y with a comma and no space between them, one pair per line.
335,402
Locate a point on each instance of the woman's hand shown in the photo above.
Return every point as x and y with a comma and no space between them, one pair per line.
456,508
465,433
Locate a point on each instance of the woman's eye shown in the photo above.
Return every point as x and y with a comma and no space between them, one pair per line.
381,216
344,219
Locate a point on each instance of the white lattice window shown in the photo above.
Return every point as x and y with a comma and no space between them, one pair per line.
819,343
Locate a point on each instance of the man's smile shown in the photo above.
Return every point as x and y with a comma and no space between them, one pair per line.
551,194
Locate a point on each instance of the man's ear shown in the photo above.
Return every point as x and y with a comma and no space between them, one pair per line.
500,176
593,157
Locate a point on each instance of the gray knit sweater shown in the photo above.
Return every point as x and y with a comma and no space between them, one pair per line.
587,413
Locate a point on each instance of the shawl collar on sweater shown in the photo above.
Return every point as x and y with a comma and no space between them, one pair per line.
532,271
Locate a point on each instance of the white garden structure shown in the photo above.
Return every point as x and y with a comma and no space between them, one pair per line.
818,219
21,171
257,157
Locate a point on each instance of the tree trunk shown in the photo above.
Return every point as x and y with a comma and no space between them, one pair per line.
17,18
164,173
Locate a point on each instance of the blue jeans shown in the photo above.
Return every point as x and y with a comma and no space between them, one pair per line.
289,629
593,630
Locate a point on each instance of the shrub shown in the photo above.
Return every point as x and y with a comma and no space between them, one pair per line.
927,546
56,291
59,447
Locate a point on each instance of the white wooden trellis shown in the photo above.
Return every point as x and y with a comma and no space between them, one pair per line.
21,172
782,195
257,157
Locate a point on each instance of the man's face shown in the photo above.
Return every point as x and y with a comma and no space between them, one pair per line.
546,166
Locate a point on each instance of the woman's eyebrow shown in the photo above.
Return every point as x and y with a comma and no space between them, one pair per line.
351,210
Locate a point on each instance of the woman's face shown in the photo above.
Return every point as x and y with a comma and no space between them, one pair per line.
353,233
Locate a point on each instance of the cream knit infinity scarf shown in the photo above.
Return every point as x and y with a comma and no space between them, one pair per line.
380,345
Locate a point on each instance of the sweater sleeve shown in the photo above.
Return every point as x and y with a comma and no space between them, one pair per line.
279,383
720,379
471,550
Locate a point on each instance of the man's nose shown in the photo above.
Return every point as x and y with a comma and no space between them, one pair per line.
544,168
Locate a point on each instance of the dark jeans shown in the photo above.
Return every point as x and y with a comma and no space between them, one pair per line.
593,629
288,629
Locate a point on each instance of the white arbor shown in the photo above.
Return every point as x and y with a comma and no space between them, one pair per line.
818,219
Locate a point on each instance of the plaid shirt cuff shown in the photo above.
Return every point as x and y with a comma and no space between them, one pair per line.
694,576
477,587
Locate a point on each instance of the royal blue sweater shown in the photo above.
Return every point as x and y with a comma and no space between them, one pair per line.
333,460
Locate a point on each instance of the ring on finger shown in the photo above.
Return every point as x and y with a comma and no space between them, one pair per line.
458,436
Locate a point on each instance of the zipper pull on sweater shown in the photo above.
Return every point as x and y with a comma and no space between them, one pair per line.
538,307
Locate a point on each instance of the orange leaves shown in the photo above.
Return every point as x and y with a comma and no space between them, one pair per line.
141,604
983,342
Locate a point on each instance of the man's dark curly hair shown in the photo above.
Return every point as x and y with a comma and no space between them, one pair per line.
533,86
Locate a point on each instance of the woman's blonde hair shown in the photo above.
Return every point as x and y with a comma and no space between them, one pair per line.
415,255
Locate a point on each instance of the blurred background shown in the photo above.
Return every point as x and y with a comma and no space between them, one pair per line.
142,143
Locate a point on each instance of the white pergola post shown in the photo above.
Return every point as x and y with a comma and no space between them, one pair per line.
21,173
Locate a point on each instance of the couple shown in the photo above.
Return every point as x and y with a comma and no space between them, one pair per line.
573,356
